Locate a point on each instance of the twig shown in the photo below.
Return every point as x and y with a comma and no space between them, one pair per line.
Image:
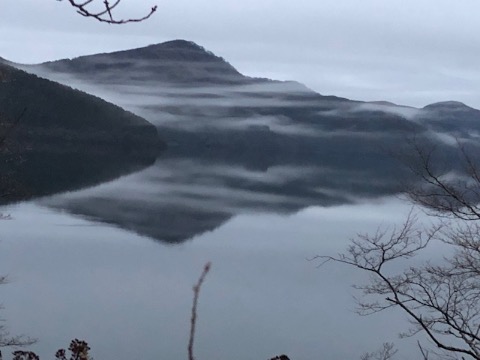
106,15
193,319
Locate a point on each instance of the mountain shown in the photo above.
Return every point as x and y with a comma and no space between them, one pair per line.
203,106
452,117
174,61
56,139
239,144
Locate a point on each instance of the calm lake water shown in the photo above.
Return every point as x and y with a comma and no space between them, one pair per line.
130,296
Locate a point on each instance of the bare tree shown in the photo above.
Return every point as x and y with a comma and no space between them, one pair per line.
441,299
104,11
386,352
446,192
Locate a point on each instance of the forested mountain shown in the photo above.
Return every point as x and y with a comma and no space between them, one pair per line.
174,61
55,138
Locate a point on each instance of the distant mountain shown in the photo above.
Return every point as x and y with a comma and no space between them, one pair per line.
200,102
452,117
176,61
58,139
448,106
238,144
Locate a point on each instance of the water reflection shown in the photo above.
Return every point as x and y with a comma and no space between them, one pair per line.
179,198
130,297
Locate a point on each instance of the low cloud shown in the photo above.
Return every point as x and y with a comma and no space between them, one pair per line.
406,112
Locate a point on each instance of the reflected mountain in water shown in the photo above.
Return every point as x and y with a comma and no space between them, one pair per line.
239,144
176,199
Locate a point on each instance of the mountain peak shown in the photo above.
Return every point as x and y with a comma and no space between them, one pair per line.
175,49
448,105
179,43
176,61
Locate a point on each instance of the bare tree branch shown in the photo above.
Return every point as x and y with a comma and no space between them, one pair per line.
386,352
423,351
193,319
441,300
450,194
106,14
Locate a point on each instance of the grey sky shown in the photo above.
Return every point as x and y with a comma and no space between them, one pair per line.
405,51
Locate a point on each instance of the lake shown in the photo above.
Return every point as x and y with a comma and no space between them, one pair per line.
256,195
130,296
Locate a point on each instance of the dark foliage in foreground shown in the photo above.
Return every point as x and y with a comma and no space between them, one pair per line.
78,351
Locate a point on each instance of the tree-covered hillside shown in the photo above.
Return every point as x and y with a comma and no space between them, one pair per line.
57,138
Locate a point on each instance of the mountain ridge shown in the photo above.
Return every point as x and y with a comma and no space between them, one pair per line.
174,61
185,50
182,47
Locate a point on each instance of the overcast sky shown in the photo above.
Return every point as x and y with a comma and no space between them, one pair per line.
411,52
